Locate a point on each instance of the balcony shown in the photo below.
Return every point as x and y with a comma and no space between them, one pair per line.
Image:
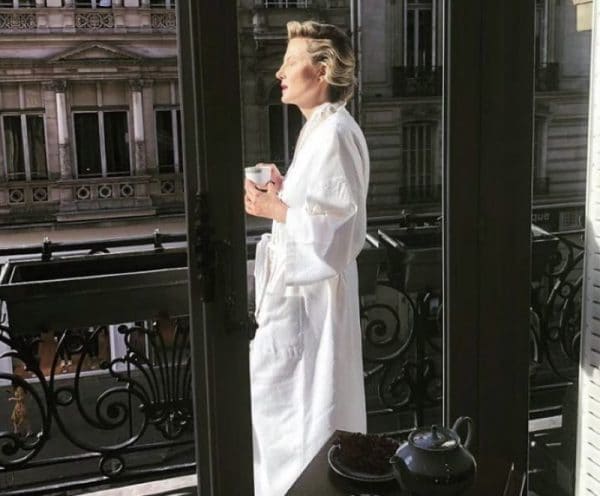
416,81
84,17
96,337
546,77
91,198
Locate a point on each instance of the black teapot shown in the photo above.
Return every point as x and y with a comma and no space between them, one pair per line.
434,462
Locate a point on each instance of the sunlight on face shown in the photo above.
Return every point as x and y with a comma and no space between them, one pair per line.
302,82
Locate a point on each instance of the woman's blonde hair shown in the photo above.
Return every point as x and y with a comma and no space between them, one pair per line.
329,45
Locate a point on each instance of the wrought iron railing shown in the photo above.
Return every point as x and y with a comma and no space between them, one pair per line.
287,4
117,398
417,81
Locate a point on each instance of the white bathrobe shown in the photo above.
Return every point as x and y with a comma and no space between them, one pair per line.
306,359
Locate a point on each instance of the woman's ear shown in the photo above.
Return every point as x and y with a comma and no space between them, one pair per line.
321,71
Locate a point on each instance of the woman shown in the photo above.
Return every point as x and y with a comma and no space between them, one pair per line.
306,359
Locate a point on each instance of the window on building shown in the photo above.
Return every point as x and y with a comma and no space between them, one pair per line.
541,30
93,4
162,4
285,122
419,182
24,147
102,144
168,140
419,31
541,182
16,3
286,4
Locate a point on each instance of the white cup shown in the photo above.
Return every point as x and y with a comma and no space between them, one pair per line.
259,174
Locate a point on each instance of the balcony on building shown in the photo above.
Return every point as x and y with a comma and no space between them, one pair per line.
412,81
103,354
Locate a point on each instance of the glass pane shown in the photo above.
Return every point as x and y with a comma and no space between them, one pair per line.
562,60
276,135
164,139
37,147
87,141
425,31
294,125
409,38
179,139
13,147
116,143
400,266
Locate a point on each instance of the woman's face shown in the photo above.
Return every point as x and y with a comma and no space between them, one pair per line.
302,82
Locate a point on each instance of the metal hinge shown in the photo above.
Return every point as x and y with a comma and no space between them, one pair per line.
213,257
204,248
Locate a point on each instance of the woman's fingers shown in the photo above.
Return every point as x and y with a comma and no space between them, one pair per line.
251,188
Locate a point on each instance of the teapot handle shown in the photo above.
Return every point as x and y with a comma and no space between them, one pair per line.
469,421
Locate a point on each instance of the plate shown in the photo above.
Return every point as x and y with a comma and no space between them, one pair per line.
340,469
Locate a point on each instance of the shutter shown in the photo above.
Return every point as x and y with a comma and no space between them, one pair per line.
588,435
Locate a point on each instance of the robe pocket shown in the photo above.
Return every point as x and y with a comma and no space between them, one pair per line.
280,324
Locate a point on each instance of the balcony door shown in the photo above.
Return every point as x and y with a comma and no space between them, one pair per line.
487,146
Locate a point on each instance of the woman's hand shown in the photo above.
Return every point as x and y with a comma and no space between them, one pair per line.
264,203
276,177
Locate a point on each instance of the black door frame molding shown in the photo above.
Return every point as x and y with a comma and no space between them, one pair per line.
211,111
489,98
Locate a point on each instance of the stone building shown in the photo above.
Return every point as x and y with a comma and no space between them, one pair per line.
89,111
399,46
90,125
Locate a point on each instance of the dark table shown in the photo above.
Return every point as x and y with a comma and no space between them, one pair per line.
319,480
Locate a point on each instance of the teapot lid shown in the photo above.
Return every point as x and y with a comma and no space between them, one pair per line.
435,438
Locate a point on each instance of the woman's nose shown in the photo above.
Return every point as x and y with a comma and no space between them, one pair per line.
279,74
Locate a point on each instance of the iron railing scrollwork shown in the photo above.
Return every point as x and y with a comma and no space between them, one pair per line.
140,397
148,385
556,312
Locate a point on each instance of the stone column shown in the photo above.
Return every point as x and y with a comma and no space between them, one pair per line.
64,141
138,126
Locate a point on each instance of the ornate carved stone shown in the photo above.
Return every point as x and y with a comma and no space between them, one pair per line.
94,21
163,21
56,85
136,84
17,22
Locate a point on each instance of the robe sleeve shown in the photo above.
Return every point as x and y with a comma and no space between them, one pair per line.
326,233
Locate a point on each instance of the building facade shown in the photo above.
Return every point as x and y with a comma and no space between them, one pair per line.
90,121
89,106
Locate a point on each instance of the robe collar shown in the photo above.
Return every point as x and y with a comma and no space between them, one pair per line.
320,113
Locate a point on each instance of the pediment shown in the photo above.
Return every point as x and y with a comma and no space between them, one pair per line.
95,52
